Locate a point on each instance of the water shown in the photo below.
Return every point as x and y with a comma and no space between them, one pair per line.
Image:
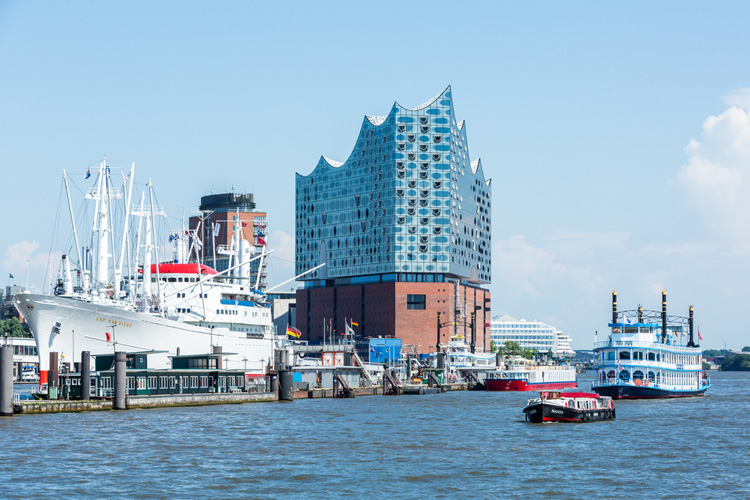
462,444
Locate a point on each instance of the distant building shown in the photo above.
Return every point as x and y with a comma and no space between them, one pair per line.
403,227
283,310
530,335
564,350
226,217
7,309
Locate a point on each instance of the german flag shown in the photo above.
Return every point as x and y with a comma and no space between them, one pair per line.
354,323
293,332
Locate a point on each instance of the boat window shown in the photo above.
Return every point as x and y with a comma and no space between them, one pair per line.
651,356
651,377
624,355
637,375
630,329
624,375
611,355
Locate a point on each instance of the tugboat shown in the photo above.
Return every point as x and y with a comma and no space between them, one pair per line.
648,359
555,406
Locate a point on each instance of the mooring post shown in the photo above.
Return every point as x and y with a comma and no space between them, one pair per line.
85,375
286,385
121,387
6,381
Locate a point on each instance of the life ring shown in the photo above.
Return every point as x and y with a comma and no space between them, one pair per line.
645,383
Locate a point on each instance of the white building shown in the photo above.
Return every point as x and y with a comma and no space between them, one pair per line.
529,334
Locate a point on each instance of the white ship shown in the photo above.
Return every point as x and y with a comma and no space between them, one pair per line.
172,308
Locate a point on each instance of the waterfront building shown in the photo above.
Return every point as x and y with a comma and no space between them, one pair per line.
530,335
223,217
403,227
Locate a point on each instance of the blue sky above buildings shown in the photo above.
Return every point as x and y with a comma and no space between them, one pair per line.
617,136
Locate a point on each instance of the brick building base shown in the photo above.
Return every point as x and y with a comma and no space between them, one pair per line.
382,310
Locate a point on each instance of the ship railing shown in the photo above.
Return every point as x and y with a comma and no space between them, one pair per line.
639,363
632,343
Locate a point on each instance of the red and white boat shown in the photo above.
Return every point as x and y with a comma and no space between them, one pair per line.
519,374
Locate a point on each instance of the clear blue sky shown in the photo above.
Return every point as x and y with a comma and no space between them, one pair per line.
617,135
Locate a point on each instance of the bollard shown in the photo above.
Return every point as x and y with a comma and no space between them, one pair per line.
54,374
6,381
286,385
121,387
85,375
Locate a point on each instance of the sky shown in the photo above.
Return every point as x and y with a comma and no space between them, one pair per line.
616,134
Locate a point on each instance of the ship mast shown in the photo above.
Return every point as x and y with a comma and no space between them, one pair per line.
125,232
75,233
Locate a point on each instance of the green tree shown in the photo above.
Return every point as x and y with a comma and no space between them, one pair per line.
746,348
12,328
513,349
715,352
740,363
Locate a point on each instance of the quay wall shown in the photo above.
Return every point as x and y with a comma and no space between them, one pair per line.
155,401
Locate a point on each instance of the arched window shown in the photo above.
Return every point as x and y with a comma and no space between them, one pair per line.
624,375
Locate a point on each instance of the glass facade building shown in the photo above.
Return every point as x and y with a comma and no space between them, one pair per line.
408,204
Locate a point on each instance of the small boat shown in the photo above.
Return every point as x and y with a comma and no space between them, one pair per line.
555,406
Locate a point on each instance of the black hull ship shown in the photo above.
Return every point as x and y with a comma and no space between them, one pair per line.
553,406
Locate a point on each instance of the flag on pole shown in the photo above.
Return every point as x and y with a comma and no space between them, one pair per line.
109,336
354,323
293,332
88,173
217,228
11,276
261,241
699,332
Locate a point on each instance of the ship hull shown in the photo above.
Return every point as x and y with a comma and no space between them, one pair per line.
495,384
68,326
543,412
640,392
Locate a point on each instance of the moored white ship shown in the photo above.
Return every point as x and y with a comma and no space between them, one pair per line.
519,374
164,309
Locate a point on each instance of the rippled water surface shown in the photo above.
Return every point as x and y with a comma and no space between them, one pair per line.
452,445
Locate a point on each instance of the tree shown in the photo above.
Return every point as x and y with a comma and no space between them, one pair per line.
12,328
746,348
740,363
513,349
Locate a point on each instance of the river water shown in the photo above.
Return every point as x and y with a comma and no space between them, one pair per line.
451,445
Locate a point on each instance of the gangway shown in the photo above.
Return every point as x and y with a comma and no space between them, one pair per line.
340,388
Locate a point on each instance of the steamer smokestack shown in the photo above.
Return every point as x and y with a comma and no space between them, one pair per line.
663,316
614,306
690,327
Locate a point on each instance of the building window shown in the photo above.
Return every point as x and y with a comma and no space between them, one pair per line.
415,301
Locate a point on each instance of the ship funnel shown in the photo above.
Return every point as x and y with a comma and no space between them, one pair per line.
663,316
614,306
690,328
